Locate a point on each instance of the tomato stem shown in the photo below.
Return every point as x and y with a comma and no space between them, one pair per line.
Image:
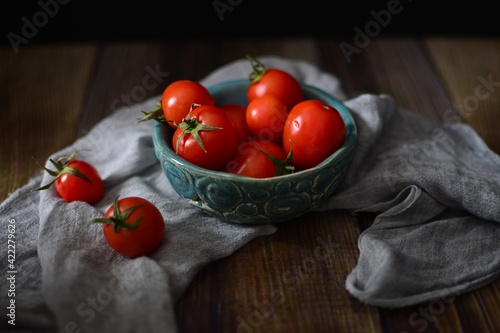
119,219
283,167
153,114
258,70
61,168
193,126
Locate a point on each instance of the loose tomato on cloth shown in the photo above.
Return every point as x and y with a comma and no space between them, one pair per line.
237,113
177,99
315,130
273,81
75,180
133,226
266,117
259,159
207,137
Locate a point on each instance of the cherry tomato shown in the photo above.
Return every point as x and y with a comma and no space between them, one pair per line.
273,81
207,137
75,180
315,130
259,159
266,118
133,226
237,113
180,95
176,101
74,188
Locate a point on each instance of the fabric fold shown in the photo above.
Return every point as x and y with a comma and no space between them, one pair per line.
434,190
407,258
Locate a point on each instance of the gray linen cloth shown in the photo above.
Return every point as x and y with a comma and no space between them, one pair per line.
435,191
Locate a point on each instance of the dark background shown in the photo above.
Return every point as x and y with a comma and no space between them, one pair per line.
78,20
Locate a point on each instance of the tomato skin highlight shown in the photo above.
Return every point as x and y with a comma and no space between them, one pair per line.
266,118
220,144
179,96
315,130
142,240
278,83
250,162
72,188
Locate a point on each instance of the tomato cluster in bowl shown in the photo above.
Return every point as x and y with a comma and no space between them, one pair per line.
249,199
274,131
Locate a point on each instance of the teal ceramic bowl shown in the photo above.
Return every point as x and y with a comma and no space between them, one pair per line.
246,200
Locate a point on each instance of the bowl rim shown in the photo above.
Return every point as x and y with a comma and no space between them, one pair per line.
160,131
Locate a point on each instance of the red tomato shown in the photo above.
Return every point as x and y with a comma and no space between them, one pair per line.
76,180
237,113
314,130
178,97
275,82
133,226
207,137
251,160
74,188
266,118
176,101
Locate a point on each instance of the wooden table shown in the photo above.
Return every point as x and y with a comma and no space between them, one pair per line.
53,93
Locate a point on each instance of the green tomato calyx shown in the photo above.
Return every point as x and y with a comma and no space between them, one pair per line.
153,114
119,219
61,168
193,126
258,70
283,167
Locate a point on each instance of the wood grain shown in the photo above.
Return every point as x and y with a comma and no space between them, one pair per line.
43,90
125,74
299,269
473,81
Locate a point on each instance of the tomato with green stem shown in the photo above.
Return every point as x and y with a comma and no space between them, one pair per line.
132,226
260,159
176,101
75,180
273,81
207,137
